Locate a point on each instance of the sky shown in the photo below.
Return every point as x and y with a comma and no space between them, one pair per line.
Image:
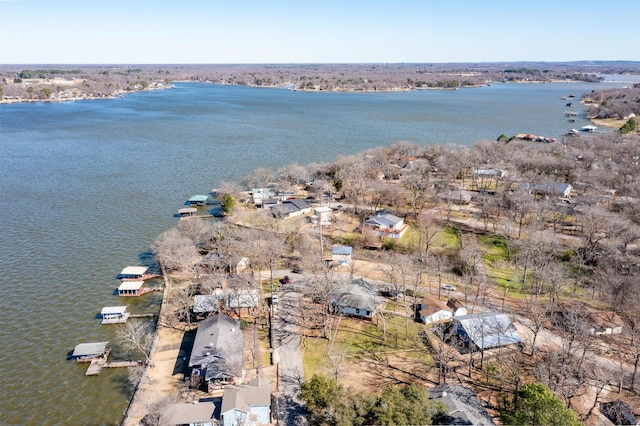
316,31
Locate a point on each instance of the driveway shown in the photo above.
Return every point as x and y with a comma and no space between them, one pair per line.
286,343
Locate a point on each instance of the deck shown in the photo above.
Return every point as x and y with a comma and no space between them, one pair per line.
97,364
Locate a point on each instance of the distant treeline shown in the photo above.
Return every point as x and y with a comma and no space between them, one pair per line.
43,73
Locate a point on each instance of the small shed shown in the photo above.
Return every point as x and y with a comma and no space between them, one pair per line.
114,315
85,351
130,288
341,255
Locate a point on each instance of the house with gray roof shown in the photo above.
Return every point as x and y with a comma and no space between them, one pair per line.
217,354
357,298
463,406
486,330
385,225
201,413
547,189
291,208
247,404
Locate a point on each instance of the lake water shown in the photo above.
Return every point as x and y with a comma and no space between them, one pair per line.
85,187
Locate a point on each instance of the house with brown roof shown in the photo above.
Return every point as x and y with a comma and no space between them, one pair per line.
457,307
432,311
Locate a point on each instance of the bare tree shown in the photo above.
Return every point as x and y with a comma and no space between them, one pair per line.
174,250
136,336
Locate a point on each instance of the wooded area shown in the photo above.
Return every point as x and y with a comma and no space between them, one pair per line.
491,219
59,82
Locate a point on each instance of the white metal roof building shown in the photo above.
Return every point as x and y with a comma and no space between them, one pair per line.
486,330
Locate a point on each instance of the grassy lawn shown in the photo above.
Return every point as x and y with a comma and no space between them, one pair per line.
357,338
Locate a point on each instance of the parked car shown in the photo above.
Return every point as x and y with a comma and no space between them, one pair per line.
298,270
448,287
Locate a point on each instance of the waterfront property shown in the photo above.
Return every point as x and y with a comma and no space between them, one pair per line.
218,350
114,315
202,413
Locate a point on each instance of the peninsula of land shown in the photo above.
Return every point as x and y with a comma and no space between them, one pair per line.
59,83
478,271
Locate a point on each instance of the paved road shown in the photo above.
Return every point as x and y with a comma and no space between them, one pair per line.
288,355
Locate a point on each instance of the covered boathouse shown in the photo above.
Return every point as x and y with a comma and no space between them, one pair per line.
85,352
134,273
114,315
130,288
198,200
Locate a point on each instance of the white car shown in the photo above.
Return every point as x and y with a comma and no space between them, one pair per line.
448,287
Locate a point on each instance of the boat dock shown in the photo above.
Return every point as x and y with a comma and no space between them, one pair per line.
97,364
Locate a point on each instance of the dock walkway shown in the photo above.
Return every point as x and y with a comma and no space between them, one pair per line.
97,364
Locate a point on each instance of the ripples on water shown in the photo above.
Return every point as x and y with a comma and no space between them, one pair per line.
87,186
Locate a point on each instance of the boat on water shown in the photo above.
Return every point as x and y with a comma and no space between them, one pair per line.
588,128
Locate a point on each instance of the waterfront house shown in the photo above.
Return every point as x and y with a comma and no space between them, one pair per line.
247,404
197,200
486,330
463,406
114,315
341,255
136,273
431,311
357,298
130,288
201,413
217,354
385,225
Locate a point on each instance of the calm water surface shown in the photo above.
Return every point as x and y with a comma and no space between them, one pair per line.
85,187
